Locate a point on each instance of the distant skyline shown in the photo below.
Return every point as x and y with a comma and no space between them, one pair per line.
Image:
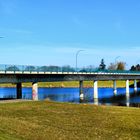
50,32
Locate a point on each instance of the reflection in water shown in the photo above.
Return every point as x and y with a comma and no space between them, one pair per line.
96,101
106,95
81,100
127,101
81,96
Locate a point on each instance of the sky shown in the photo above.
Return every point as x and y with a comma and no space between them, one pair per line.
50,32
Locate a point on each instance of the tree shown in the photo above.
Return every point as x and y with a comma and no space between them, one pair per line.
138,67
90,68
30,68
121,65
102,66
12,68
43,68
112,66
117,66
67,68
135,68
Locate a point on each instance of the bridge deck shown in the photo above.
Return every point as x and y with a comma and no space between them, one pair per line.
75,73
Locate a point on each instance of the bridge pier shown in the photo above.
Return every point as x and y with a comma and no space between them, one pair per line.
127,88
135,85
96,92
115,87
19,90
81,94
35,91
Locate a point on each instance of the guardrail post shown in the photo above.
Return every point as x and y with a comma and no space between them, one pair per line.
96,92
81,94
35,91
115,87
19,90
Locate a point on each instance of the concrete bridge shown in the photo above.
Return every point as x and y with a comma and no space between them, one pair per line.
18,76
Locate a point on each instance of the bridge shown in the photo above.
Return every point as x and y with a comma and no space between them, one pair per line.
18,74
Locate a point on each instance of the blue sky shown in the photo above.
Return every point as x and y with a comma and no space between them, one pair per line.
50,32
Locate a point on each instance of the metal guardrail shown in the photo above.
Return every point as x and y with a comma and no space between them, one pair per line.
57,69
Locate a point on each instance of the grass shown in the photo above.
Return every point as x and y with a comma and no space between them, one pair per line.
44,120
71,84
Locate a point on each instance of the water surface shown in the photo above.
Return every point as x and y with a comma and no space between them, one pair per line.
106,95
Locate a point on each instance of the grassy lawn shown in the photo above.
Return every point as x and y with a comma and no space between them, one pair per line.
46,120
76,84
70,84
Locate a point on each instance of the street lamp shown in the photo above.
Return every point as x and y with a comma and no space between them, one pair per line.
116,59
77,57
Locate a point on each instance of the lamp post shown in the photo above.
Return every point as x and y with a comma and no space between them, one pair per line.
116,59
77,57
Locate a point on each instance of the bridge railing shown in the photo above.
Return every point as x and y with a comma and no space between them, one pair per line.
30,68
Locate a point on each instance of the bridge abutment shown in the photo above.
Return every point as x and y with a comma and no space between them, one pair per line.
19,90
35,91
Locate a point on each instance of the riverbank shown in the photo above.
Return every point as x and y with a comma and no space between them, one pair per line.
71,84
50,120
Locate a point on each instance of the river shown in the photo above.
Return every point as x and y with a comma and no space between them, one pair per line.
72,95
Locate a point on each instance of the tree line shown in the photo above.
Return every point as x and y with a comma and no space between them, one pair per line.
67,68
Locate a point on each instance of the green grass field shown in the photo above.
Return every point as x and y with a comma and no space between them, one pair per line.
46,120
71,84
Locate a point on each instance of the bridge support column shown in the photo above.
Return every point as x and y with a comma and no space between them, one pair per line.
19,90
135,85
96,92
115,87
35,91
127,88
81,94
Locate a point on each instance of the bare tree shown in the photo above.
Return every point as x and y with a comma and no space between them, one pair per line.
121,65
112,66
117,66
90,68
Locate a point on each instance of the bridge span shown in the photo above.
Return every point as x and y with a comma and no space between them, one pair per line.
18,77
